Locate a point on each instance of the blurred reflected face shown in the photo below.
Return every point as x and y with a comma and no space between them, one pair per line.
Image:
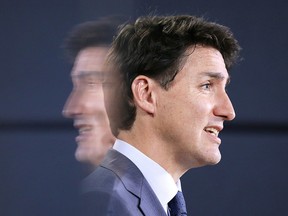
192,111
86,106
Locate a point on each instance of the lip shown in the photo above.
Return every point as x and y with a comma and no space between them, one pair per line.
212,136
85,132
83,137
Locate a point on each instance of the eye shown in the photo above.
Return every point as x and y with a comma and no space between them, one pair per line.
207,86
92,82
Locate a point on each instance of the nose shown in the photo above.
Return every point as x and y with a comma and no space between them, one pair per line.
224,108
72,106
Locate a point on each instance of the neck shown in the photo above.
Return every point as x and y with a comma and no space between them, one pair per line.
156,150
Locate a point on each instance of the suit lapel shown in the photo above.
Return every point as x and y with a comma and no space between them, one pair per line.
134,182
149,203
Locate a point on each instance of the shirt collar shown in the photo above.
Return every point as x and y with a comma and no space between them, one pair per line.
158,178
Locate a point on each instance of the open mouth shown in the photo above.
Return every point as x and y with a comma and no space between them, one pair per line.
212,131
83,130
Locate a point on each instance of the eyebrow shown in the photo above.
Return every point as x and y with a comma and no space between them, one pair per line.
216,75
99,75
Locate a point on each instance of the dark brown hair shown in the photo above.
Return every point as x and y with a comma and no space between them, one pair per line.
155,46
92,33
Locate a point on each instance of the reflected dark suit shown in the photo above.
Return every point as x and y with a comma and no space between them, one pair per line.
118,187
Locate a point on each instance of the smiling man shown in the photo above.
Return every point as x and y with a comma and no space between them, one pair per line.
87,45
166,101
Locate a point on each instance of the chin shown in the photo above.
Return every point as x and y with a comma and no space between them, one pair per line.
214,159
88,158
80,156
211,159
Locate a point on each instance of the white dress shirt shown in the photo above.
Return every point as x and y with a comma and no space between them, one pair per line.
158,178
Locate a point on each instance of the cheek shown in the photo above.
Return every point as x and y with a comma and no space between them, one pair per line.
95,102
99,136
201,110
201,106
194,109
192,117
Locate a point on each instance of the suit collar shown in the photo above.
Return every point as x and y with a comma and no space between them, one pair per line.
134,181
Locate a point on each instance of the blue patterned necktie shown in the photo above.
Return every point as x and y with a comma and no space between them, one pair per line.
177,206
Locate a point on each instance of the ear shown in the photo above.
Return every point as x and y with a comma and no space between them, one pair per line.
143,92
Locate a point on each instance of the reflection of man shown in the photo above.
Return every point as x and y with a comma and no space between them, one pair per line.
166,101
88,44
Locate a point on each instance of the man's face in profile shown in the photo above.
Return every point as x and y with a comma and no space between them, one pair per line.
86,106
192,111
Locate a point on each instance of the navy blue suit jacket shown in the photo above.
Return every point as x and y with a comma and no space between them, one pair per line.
117,187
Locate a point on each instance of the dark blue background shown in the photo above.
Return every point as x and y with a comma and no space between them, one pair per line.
38,172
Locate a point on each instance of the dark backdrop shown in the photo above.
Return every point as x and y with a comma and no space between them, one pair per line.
38,172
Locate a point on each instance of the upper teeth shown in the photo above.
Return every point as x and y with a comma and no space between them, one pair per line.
213,131
82,130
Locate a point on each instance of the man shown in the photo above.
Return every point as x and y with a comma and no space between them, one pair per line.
87,45
166,101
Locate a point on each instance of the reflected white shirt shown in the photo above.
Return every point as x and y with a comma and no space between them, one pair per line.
158,178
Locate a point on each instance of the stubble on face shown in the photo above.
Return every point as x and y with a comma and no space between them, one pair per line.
187,119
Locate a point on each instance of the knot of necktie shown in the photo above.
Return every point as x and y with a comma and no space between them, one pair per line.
177,206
